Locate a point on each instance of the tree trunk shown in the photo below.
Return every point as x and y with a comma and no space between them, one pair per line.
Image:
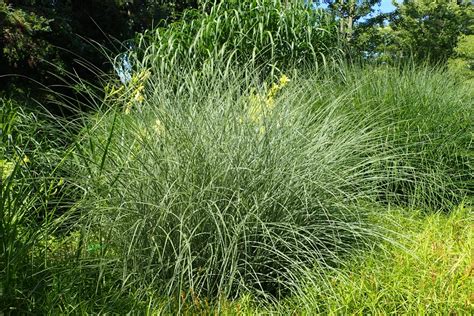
341,17
350,20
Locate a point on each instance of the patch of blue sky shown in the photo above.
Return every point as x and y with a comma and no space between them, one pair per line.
123,68
385,6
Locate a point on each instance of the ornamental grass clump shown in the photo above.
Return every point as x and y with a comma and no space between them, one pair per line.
192,202
427,116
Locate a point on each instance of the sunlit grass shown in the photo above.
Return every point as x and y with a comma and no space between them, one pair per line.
198,196
427,269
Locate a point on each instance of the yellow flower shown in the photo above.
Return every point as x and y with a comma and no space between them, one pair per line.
260,105
273,91
128,107
284,80
6,169
136,87
159,127
25,160
255,110
138,97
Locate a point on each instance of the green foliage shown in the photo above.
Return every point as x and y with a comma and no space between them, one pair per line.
427,31
30,198
357,9
349,12
43,42
263,33
22,41
463,60
18,30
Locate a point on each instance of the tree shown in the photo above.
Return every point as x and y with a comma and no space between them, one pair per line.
42,38
463,58
349,12
426,30
23,40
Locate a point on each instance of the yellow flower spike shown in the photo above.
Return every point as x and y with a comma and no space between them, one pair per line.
159,127
138,97
256,108
255,113
25,160
270,103
262,104
273,91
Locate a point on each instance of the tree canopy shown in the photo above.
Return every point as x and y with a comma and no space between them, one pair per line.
41,39
425,30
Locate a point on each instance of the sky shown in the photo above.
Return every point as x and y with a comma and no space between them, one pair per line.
386,6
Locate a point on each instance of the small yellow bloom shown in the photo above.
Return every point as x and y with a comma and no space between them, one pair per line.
25,160
128,108
6,169
159,127
138,96
284,80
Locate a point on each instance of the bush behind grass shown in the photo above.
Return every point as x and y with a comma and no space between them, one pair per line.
267,34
